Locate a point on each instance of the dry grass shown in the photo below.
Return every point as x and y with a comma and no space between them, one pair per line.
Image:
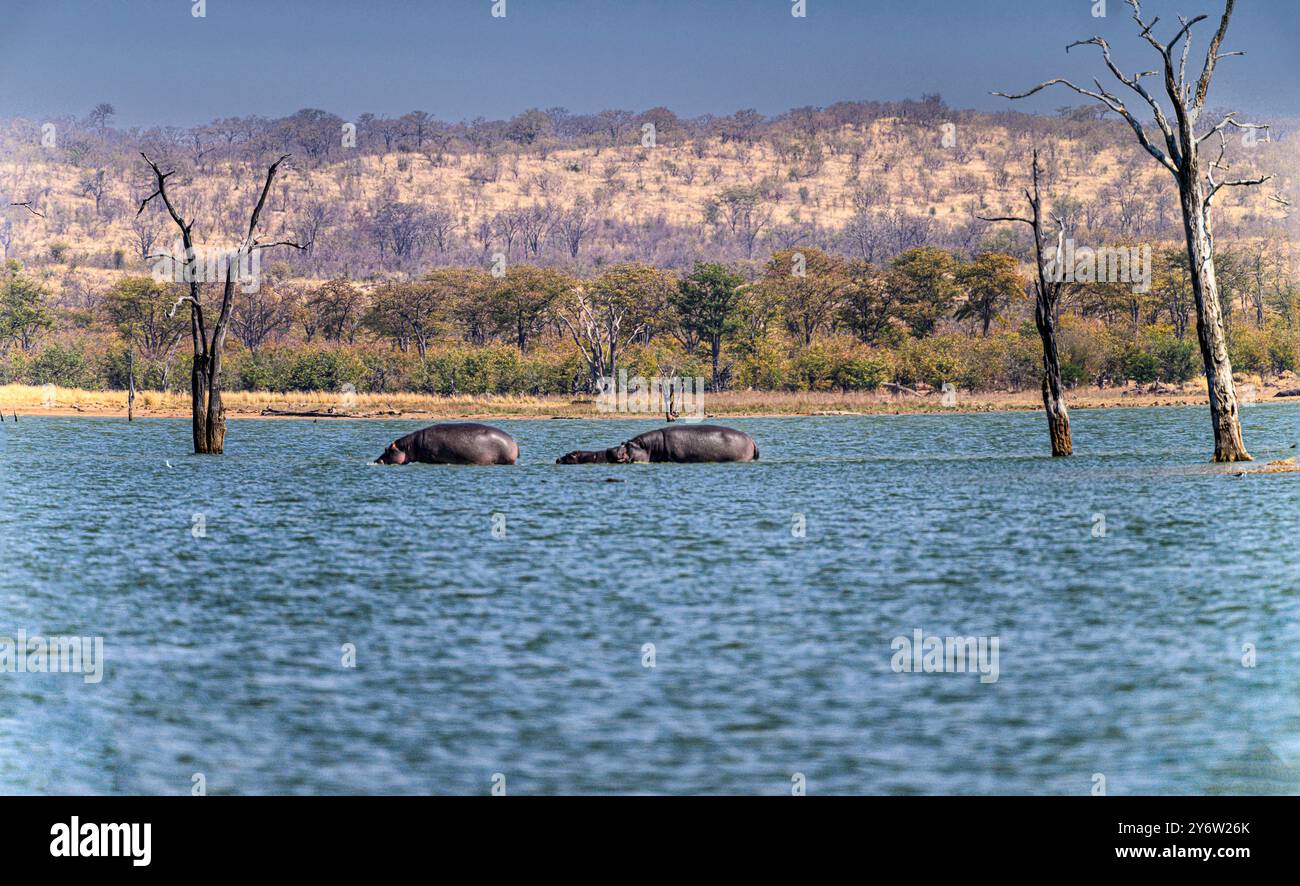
1281,466
33,400
671,181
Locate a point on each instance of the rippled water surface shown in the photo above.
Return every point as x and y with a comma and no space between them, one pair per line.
524,654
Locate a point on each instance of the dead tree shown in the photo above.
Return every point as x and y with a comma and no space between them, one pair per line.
208,414
1197,187
130,390
1047,292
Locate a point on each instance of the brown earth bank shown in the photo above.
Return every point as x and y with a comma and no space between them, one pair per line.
33,400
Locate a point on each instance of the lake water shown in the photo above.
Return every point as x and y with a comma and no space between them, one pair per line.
523,651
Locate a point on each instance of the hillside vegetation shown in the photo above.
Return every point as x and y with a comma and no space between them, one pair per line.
497,256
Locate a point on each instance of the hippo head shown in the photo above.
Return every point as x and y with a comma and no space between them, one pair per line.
586,457
624,453
393,455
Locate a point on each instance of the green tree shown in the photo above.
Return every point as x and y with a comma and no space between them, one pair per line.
334,309
605,314
924,283
143,311
870,305
706,302
991,281
23,309
811,284
407,311
521,301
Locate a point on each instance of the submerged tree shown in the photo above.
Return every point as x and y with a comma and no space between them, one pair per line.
1047,303
1197,186
207,412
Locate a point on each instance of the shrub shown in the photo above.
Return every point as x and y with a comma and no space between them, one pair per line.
1283,349
861,373
1248,348
266,370
932,361
762,366
1175,358
1141,366
812,369
325,370
64,366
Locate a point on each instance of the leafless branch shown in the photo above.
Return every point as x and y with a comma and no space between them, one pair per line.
256,245
1005,218
1212,57
27,204
1111,102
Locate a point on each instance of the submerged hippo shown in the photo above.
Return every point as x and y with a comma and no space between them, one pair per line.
688,443
588,457
453,444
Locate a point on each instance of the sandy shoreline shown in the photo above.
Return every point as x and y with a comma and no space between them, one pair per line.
728,405
34,401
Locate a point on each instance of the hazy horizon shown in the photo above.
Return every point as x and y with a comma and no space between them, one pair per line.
159,65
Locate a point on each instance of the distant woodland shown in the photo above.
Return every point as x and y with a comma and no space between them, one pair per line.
824,248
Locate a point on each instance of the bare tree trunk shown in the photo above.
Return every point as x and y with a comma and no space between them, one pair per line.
1058,417
207,414
216,429
1197,187
1224,414
199,404
1047,291
130,384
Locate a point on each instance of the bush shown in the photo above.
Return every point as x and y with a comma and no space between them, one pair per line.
13,367
862,373
1141,367
115,370
1090,351
64,366
266,370
1176,359
1283,349
495,369
1248,348
762,366
325,370
812,370
932,361
1074,374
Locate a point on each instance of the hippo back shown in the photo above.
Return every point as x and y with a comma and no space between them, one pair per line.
466,443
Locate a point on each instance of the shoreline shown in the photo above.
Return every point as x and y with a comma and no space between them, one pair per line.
25,400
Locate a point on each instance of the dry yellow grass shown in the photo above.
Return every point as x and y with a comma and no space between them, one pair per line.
669,181
34,400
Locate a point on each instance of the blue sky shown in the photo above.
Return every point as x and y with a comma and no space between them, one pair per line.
160,65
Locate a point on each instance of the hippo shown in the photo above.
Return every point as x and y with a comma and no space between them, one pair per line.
453,444
588,457
688,443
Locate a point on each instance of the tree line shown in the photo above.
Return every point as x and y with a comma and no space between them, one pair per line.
803,320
